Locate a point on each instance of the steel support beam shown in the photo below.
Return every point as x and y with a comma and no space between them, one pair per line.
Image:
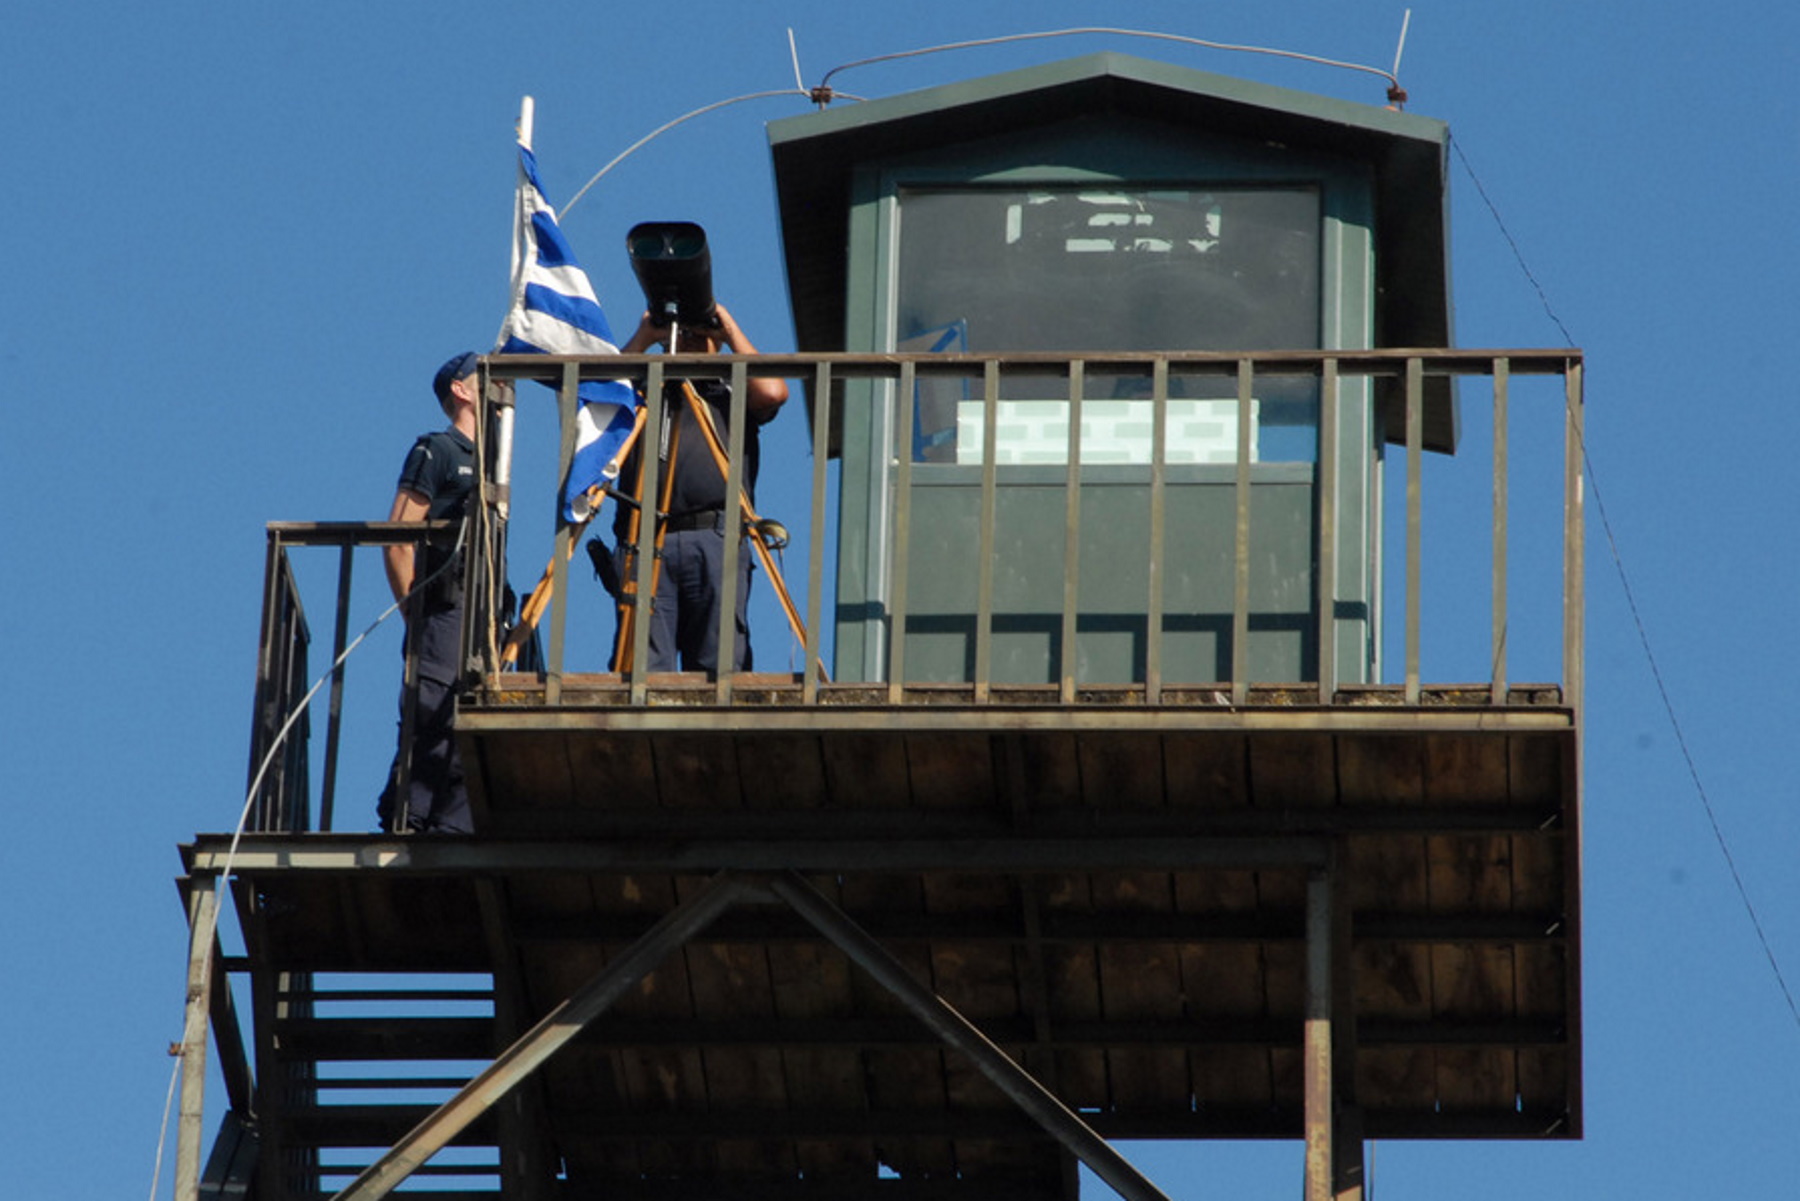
1334,1162
542,1041
203,925
700,856
956,1032
527,1170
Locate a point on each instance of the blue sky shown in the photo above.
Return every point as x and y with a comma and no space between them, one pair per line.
235,240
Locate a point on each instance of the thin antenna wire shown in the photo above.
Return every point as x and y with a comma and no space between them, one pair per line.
823,94
665,128
1643,632
1518,255
1393,80
1405,24
794,55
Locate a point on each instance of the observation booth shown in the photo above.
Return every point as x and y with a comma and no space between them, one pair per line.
1114,205
1115,817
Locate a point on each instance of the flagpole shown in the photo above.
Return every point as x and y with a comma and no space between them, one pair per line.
503,450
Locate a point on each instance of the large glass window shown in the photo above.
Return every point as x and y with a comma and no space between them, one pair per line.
1081,268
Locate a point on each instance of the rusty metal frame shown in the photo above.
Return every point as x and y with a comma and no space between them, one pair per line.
1411,369
567,1020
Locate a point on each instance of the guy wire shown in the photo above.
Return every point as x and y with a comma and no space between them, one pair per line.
1643,632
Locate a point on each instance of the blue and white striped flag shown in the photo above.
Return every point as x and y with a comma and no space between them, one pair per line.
554,311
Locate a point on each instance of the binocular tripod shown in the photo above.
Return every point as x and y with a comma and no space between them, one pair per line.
765,536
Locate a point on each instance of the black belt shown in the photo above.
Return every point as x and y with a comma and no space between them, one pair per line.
699,519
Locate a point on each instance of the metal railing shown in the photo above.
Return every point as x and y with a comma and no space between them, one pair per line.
281,724
890,380
838,381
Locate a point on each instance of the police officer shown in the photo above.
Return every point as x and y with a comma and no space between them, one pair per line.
435,484
684,619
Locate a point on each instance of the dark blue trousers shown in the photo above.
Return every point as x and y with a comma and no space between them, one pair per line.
437,800
684,621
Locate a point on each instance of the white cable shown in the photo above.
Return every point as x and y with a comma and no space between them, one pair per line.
823,90
288,725
1393,81
662,129
162,1136
269,758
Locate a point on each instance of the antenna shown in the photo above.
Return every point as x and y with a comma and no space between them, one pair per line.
794,55
1405,23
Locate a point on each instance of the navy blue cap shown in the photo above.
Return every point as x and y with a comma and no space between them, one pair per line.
457,368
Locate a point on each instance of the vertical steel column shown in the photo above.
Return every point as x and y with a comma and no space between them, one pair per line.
527,1164
956,1032
1334,1163
203,924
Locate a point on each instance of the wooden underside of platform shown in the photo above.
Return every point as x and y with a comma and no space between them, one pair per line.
1114,893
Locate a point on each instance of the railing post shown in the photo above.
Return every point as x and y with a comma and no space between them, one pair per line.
990,493
1415,491
644,554
1328,530
568,403
818,530
1574,537
1069,652
900,550
335,712
726,664
1159,473
1502,387
1240,604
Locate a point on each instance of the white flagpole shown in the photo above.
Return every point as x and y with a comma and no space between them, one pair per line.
503,451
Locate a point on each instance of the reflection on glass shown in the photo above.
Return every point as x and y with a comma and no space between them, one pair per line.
1085,269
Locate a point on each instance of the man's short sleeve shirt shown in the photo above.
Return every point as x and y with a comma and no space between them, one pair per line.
441,468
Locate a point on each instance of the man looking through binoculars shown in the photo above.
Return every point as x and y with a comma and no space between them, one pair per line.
684,617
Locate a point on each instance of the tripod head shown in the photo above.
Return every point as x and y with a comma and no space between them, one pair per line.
674,267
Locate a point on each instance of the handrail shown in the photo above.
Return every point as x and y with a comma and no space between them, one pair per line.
282,675
839,382
1405,370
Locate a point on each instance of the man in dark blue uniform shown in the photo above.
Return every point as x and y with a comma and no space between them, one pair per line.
435,484
684,618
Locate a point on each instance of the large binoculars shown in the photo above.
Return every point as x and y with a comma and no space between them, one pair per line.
674,268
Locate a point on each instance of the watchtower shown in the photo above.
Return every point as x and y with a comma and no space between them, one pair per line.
1116,817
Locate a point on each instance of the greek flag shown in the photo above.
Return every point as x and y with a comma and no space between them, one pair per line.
554,311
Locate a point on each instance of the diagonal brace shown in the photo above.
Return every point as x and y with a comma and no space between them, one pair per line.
543,1040
958,1033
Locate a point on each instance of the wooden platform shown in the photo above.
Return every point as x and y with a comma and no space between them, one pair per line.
1114,893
